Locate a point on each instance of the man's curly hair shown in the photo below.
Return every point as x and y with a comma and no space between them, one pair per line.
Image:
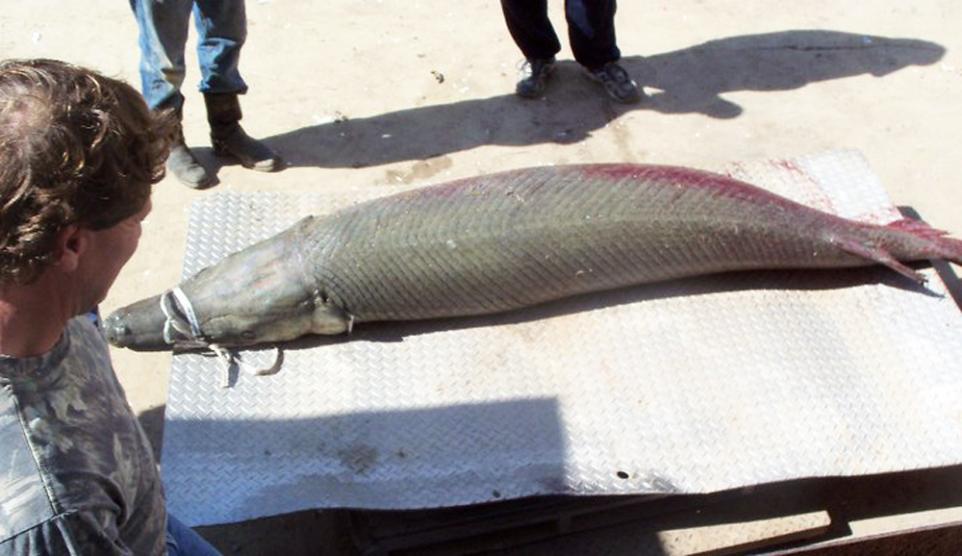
76,147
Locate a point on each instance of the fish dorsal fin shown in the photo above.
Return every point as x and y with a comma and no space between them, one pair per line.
917,228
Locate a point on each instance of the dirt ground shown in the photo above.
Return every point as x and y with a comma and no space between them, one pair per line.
378,93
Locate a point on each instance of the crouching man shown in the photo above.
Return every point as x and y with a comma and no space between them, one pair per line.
79,153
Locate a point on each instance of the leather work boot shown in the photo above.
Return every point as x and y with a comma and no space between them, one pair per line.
228,137
182,163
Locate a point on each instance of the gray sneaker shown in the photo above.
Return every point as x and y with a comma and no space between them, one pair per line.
617,83
534,77
184,166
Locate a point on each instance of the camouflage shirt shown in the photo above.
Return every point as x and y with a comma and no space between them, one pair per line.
77,475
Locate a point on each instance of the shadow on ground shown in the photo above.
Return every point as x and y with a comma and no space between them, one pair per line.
686,81
309,532
298,464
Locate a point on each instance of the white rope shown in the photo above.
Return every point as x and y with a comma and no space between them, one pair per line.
172,321
191,329
188,309
228,358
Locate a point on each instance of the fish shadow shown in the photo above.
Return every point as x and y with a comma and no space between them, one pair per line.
690,80
781,280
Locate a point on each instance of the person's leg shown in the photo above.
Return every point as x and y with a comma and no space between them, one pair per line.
531,30
222,30
591,30
184,541
163,35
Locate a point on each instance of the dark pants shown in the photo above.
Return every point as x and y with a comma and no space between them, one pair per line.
591,30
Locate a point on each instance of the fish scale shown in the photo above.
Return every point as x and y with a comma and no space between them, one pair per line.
510,240
498,253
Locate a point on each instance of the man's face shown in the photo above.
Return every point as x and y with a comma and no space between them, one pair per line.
108,252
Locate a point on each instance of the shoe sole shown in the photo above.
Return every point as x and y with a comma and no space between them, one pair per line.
271,165
639,94
198,185
206,182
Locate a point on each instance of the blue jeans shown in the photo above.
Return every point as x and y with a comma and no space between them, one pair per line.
221,31
184,541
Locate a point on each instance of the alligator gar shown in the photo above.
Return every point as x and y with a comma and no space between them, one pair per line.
506,241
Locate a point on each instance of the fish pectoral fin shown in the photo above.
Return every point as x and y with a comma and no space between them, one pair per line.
880,256
330,319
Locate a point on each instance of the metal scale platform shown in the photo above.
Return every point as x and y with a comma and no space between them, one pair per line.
692,387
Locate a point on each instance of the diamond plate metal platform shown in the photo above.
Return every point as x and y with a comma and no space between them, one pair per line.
689,387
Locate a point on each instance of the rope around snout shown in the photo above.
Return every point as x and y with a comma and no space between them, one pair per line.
180,318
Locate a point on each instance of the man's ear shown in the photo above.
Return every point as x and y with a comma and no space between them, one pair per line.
72,243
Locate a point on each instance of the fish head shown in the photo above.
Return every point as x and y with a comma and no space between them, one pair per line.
258,295
282,311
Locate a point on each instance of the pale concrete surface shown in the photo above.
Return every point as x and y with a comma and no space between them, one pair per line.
352,94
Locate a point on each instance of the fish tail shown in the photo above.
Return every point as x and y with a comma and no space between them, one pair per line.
936,242
904,240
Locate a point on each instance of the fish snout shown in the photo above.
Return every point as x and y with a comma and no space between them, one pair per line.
136,326
116,331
